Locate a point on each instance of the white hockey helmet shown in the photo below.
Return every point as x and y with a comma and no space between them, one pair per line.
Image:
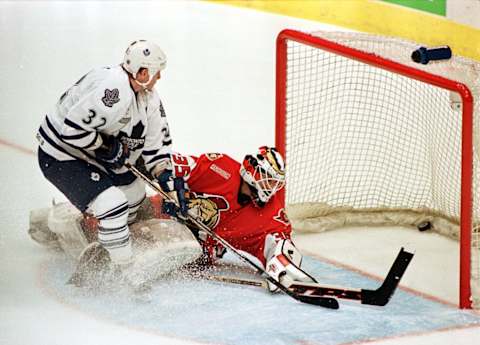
264,172
144,54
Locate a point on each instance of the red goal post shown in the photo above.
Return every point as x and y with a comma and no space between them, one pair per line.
343,103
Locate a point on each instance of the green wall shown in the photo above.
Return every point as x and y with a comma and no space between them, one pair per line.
433,6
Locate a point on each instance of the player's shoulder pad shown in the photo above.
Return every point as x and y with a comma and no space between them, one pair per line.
114,93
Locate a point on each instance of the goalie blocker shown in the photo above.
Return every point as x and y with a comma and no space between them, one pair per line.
283,263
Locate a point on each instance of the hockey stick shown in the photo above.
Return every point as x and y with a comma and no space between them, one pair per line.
327,302
378,297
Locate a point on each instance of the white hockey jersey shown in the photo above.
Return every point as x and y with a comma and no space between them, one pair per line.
102,101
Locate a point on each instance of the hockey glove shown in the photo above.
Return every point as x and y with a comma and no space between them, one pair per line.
177,189
112,153
170,207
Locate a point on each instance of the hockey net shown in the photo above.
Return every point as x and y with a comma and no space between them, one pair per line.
372,138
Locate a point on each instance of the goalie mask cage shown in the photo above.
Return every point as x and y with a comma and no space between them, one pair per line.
372,138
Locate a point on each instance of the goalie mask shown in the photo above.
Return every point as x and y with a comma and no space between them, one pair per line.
144,54
264,173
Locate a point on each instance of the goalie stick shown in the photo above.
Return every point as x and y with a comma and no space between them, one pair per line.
326,302
377,297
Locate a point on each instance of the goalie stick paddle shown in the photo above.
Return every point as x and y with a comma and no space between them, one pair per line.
326,302
382,295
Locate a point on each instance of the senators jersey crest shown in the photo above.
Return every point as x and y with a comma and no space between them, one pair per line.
207,208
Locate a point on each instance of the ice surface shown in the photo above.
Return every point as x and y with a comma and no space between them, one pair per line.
222,313
218,91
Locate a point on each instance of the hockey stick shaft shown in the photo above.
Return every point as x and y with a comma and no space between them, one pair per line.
238,281
316,300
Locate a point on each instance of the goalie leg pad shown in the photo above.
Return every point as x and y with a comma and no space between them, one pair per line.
64,220
283,263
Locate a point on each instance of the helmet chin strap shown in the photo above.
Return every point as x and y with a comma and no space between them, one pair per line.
145,84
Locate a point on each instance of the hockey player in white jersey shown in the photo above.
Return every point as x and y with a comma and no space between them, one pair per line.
110,116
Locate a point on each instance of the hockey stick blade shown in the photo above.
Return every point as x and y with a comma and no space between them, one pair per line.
326,302
322,301
382,295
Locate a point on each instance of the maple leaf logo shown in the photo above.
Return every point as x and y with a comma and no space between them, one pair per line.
136,140
111,97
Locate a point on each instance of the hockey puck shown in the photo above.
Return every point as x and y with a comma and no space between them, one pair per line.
424,226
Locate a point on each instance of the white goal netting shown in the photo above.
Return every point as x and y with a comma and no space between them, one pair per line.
367,146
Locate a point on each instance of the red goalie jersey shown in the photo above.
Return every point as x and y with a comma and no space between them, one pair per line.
214,182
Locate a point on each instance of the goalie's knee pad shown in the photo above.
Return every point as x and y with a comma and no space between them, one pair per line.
283,262
111,209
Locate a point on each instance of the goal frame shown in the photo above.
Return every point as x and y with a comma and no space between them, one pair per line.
466,201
